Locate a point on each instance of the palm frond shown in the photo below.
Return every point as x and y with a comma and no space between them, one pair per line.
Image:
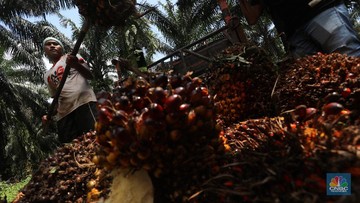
11,9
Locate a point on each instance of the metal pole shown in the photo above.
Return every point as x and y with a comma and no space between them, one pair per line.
190,45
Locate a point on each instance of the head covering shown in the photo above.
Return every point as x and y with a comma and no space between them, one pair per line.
54,39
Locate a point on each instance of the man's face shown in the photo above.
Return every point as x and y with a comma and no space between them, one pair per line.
53,49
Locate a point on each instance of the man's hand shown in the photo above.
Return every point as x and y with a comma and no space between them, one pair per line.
79,65
72,60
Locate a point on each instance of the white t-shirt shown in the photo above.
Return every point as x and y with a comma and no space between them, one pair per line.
76,91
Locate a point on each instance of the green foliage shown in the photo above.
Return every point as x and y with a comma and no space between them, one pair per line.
23,98
101,45
22,103
10,190
185,22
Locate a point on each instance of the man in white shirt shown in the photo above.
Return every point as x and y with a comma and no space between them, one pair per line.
76,107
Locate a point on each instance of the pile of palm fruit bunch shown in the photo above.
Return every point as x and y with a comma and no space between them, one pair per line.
241,81
69,175
246,84
291,129
309,80
106,13
165,125
286,159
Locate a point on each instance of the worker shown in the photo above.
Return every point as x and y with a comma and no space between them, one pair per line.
310,26
76,108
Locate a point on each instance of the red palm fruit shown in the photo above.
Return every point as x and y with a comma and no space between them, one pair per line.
175,120
332,108
156,111
172,103
142,131
122,136
204,91
180,91
332,97
184,109
105,115
175,81
189,87
154,125
351,76
196,95
122,103
102,139
346,92
200,95
150,92
200,111
146,127
103,102
310,113
191,119
138,102
197,81
159,95
120,118
141,86
205,100
299,113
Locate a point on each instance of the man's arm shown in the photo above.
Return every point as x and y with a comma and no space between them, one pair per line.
251,11
80,66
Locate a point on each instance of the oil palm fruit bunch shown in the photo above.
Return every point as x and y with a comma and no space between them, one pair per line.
68,175
241,82
313,80
165,125
106,13
305,145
